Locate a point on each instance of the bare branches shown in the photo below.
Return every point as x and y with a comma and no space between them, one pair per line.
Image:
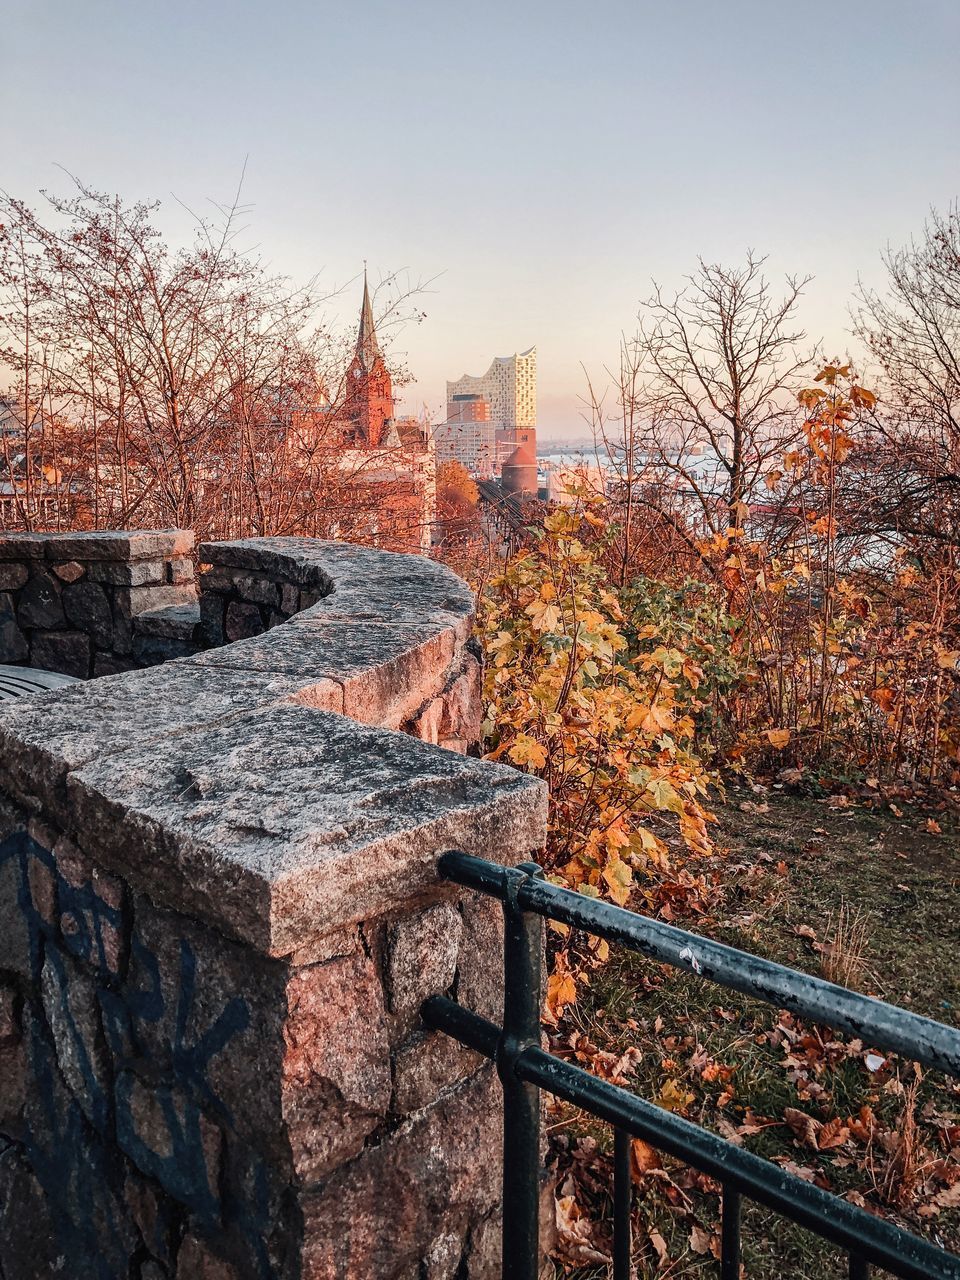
718,363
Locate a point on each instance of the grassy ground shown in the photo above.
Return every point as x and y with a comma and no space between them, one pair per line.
795,869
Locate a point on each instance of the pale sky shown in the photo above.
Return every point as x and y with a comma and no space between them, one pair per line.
542,160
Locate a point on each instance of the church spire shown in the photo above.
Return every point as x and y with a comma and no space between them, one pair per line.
367,349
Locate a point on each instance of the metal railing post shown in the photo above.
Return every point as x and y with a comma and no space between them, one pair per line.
523,942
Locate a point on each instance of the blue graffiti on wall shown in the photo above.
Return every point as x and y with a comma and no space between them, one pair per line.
68,1139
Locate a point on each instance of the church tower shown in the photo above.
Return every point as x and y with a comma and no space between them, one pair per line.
369,392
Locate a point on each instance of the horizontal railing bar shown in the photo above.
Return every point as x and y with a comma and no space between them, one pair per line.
885,1026
760,1180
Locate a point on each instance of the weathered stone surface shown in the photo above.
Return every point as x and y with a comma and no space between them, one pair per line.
175,621
191,989
74,1168
168,1137
258,589
179,570
39,604
422,957
147,599
387,672
70,1004
431,1178
43,888
29,1248
22,546
15,950
211,619
13,1077
12,575
151,650
41,740
64,651
281,842
242,620
480,963
13,643
336,1070
289,598
104,544
111,664
69,571
152,1211
425,1066
127,573
196,1261
88,609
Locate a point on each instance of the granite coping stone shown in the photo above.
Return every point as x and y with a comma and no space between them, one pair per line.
287,823
43,738
232,785
358,583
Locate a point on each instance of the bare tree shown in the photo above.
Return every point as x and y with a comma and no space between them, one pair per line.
718,362
912,328
158,385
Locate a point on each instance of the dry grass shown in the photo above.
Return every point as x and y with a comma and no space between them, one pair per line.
844,949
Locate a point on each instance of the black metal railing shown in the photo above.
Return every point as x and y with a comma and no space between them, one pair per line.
524,1069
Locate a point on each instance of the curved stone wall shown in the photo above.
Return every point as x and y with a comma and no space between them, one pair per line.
219,915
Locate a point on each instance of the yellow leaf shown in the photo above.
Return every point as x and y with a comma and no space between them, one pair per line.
673,1097
526,750
949,659
778,738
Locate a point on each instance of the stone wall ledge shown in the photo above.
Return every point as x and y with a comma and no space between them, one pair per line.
264,786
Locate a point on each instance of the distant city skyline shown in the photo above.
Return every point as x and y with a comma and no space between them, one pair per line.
538,164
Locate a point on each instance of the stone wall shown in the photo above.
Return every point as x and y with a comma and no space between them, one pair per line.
219,915
93,604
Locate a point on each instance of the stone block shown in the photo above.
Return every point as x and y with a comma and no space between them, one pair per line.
13,643
258,589
422,957
147,599
462,703
289,598
69,571
336,1070
12,575
73,1015
75,1168
151,650
64,651
41,740
111,664
211,619
43,887
480,962
432,1177
387,672
209,1013
279,844
242,621
88,609
105,544
426,1066
40,604
179,571
155,1215
13,1067
29,1244
16,943
163,1131
177,622
127,573
23,546
197,1261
